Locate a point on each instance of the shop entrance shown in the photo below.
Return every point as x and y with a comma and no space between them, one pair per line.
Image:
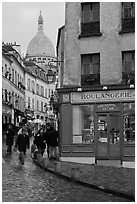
108,140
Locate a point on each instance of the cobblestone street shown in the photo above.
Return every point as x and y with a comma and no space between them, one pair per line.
29,183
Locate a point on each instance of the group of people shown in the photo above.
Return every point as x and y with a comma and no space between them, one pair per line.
47,138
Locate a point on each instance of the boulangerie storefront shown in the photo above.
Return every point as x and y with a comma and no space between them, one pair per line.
98,124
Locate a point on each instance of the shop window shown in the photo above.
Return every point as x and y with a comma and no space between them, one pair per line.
128,17
128,67
90,68
83,124
129,122
90,22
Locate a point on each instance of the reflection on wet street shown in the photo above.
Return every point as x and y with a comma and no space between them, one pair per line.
30,183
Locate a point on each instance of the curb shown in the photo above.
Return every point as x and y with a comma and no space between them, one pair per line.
97,187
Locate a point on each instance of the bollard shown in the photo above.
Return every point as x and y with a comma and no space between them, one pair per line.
57,166
75,173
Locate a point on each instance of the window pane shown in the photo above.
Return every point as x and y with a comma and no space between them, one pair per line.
128,62
86,13
83,124
129,122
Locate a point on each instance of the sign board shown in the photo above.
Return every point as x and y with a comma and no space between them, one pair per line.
108,107
6,111
104,96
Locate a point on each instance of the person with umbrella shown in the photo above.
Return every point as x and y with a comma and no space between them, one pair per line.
10,133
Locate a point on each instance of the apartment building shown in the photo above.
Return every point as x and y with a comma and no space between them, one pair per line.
97,87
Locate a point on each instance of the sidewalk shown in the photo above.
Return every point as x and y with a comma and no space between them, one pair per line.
115,180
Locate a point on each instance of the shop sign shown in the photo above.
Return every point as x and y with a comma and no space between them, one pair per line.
104,96
6,111
107,107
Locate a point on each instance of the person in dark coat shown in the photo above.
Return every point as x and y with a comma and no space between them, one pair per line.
40,141
52,137
22,141
10,133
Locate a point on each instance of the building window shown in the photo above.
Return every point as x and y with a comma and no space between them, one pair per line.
33,87
37,89
83,124
128,67
49,93
28,102
42,91
6,68
37,105
28,84
41,106
6,98
90,69
128,17
45,93
90,23
18,80
13,98
2,94
13,75
9,97
33,103
15,78
129,122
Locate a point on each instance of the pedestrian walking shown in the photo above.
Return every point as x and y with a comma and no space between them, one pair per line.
40,141
10,133
22,143
52,138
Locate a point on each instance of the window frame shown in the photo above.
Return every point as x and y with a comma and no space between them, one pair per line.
90,27
132,52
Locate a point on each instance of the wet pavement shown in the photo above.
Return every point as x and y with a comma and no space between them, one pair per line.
30,183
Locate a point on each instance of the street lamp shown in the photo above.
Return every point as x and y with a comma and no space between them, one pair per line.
50,76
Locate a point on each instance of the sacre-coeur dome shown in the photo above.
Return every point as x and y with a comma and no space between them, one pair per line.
40,45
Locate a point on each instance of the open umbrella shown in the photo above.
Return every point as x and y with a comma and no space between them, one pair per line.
38,121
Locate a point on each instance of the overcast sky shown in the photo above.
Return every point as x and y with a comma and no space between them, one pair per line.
20,21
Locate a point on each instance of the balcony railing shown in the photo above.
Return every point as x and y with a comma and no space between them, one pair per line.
90,79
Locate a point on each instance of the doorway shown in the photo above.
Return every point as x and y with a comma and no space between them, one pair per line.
108,136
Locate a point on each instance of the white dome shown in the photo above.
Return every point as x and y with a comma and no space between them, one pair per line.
40,45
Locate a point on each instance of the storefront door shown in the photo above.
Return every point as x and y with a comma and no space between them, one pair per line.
108,136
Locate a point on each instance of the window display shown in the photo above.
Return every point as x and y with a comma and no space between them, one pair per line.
83,124
129,122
